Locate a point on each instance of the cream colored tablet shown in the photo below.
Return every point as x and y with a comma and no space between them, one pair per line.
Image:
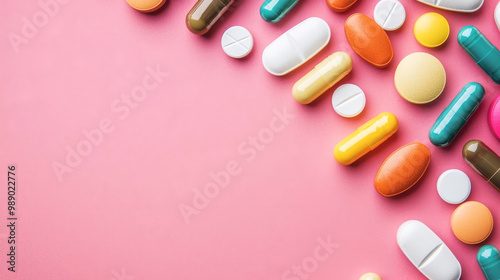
146,6
420,78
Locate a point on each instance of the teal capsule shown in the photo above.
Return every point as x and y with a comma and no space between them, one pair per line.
454,117
488,258
482,51
275,10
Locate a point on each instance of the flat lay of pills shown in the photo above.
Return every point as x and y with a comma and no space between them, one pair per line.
275,139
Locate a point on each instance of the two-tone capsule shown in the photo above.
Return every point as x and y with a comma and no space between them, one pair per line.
322,77
366,138
486,55
488,258
205,13
482,159
454,117
275,10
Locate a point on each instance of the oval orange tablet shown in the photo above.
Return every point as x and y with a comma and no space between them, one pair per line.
340,5
402,169
368,40
472,222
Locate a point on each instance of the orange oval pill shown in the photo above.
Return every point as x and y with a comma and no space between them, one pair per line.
402,169
340,5
368,40
472,222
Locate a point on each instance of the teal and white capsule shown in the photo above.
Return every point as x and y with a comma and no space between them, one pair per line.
275,10
486,55
454,117
488,258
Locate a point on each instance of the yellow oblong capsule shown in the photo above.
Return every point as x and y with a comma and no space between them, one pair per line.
324,75
366,138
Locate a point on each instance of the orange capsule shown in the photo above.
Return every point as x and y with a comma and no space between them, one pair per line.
340,5
402,169
368,40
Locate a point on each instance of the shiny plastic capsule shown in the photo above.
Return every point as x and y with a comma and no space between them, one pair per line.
482,159
486,55
454,117
205,13
275,10
368,137
488,258
402,169
322,77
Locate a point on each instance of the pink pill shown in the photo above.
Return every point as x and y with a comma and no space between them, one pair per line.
494,117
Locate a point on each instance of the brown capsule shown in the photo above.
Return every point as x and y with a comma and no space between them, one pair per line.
205,13
402,169
482,159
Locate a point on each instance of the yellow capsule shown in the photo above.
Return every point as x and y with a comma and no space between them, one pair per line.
322,77
368,137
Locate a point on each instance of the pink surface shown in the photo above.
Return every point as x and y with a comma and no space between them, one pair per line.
115,213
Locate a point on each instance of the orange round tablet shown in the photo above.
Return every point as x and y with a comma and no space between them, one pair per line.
472,222
146,6
340,5
368,40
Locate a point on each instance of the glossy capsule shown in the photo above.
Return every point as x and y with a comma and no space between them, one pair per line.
366,138
322,77
275,10
488,258
205,13
482,159
454,117
486,55
402,169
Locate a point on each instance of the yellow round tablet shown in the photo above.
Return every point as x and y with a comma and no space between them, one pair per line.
146,6
431,30
472,222
370,276
420,78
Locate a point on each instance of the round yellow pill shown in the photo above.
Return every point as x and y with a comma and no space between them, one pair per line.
420,78
146,6
472,222
431,30
370,276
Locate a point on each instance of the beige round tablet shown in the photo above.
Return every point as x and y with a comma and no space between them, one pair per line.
420,78
146,6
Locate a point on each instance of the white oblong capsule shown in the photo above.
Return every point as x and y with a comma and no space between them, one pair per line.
427,252
296,46
464,6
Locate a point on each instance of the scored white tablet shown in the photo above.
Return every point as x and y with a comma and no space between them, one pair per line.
237,42
427,252
348,100
389,14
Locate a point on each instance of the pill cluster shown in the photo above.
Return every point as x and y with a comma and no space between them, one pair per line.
420,78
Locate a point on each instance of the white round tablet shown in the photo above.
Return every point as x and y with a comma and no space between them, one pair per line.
454,186
348,100
237,42
389,14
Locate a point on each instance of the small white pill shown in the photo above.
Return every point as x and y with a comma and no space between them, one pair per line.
454,186
389,14
237,42
348,100
497,15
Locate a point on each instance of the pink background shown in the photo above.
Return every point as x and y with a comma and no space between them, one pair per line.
116,215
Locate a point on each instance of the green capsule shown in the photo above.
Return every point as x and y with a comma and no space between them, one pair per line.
275,10
488,258
486,55
454,117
